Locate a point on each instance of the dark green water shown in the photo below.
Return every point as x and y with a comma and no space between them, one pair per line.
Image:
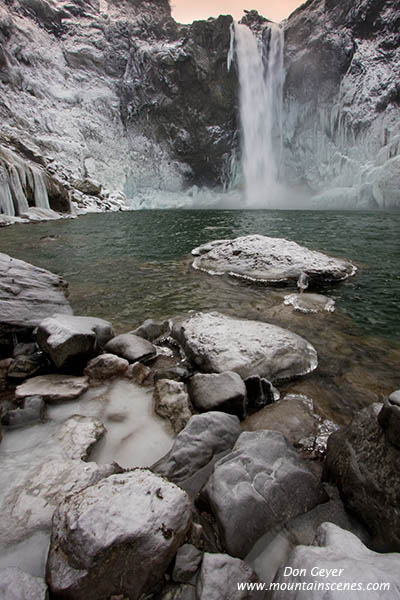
129,266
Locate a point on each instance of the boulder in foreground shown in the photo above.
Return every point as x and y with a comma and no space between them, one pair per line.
216,343
116,537
269,260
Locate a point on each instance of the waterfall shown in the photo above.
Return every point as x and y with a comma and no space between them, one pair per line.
261,76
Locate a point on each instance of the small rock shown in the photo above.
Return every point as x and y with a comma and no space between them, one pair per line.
187,562
18,585
23,367
53,388
68,339
106,366
77,436
116,537
219,576
171,401
34,410
25,349
195,446
389,418
259,485
223,392
138,373
151,330
175,373
131,347
310,303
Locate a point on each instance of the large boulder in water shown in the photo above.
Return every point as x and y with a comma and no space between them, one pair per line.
259,485
216,343
269,260
28,295
117,537
340,563
364,464
67,339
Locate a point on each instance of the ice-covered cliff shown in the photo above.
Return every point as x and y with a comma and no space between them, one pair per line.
116,91
342,102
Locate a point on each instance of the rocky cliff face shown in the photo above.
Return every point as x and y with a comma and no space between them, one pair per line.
342,102
117,91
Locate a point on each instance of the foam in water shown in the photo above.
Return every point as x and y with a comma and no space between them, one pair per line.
261,76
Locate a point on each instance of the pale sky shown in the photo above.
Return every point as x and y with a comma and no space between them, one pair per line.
186,11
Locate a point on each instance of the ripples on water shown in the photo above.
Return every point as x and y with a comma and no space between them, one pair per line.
130,266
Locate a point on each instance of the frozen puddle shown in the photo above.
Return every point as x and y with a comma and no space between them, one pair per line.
135,437
42,464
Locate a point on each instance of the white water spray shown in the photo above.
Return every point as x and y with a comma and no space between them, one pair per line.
261,77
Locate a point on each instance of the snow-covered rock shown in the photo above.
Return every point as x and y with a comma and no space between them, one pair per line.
310,303
264,259
216,343
117,537
171,401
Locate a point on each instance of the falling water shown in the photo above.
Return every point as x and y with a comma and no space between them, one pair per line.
261,77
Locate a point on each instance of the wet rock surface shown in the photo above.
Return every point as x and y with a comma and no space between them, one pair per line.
336,549
67,339
389,418
53,388
260,484
269,260
216,343
131,347
28,295
121,533
363,464
224,392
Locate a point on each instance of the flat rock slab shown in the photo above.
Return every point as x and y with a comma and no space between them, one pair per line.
67,338
117,537
131,347
259,485
29,294
310,303
269,260
336,550
216,343
18,585
53,388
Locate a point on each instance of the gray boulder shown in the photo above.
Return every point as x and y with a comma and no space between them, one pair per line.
187,562
68,339
171,401
18,585
269,260
151,330
220,575
106,366
204,437
28,295
363,463
131,347
53,388
116,537
259,485
225,392
337,557
389,418
23,367
216,343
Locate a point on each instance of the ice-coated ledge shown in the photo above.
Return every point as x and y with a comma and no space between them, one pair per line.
269,260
